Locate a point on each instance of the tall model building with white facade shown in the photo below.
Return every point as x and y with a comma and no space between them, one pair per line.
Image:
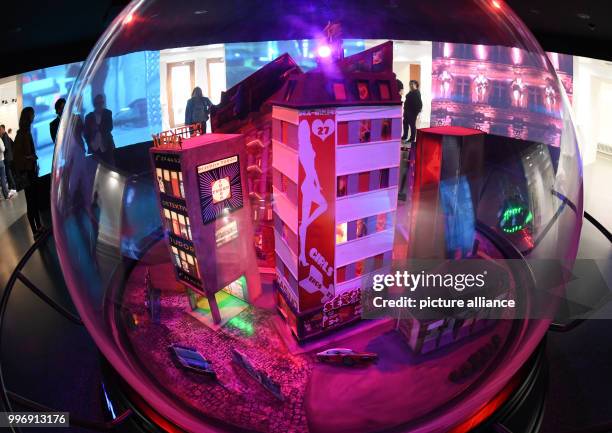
336,155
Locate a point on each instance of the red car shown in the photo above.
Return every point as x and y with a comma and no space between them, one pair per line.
346,357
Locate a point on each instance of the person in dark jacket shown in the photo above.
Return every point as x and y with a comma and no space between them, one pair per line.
198,109
8,160
25,163
412,107
98,131
54,125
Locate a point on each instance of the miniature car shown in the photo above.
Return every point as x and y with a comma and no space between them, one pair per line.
346,357
190,359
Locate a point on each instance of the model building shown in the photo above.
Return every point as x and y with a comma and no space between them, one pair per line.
207,220
336,148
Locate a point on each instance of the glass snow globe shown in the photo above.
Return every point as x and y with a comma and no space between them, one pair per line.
232,179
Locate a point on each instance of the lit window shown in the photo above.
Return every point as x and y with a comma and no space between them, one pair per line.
339,91
385,133
383,87
341,233
365,130
381,222
363,90
342,186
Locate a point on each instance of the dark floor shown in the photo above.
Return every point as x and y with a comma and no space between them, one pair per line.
50,360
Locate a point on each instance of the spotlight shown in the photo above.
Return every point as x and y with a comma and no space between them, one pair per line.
324,51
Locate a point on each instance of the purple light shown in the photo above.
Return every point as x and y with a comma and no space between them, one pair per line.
324,51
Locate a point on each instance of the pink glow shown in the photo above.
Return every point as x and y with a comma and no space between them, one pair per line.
496,4
324,51
128,19
481,52
517,56
447,50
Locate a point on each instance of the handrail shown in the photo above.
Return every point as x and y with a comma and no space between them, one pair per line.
8,396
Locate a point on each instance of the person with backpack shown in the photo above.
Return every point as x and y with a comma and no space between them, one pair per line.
198,109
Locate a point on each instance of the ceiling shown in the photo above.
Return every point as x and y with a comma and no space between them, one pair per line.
37,33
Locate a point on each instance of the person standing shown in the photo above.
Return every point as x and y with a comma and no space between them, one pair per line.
198,109
412,107
3,183
26,167
98,131
54,125
7,141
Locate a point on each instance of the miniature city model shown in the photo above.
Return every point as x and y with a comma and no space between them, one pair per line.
336,148
200,182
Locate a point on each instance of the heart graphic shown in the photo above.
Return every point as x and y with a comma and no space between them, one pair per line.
323,129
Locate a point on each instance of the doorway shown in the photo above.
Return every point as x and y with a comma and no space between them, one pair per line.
179,84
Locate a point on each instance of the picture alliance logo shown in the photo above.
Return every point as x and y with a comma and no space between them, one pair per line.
413,281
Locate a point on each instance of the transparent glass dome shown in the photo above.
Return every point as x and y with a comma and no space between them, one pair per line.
254,246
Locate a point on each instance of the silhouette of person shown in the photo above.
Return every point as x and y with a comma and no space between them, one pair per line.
54,125
98,131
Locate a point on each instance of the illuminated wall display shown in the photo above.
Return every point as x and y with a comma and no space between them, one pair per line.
208,226
336,164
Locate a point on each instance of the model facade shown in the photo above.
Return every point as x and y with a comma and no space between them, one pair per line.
336,153
207,220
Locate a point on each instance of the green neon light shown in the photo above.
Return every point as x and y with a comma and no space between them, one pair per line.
509,223
242,324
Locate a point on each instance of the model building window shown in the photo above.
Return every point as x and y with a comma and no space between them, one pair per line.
365,130
342,186
183,227
289,134
167,182
383,88
176,227
188,226
379,261
342,132
363,90
361,228
341,274
167,220
176,190
175,255
339,91
364,181
160,180
384,178
359,268
181,186
283,183
385,133
381,222
341,233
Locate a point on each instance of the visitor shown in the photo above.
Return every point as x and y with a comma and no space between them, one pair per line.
26,168
7,141
412,107
400,88
98,131
198,109
3,183
54,125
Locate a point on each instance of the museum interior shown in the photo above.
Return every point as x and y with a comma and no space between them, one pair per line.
306,216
